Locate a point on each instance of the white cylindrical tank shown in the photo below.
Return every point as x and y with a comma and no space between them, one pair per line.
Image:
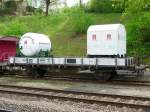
31,44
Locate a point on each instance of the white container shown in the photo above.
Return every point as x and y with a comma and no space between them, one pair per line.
31,44
106,40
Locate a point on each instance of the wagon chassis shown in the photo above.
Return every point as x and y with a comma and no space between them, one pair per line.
105,68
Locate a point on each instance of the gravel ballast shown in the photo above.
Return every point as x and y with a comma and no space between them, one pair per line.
19,103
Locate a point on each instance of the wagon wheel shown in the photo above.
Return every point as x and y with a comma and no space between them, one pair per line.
41,72
31,72
106,76
140,73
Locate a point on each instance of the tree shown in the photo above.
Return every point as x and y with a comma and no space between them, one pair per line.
137,20
1,2
48,3
124,4
80,3
65,3
20,7
102,6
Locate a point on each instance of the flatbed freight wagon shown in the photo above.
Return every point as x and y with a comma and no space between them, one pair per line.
106,53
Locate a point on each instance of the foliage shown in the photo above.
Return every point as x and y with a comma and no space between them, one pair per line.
105,6
30,9
8,8
79,21
10,5
15,28
100,5
3,28
137,21
137,6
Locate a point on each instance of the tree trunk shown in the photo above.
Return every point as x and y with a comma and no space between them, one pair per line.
47,9
80,3
65,3
124,5
20,7
47,6
1,2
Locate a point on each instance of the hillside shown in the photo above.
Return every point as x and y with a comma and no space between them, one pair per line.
65,32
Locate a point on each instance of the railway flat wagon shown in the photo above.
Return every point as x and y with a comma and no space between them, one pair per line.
73,62
106,53
105,67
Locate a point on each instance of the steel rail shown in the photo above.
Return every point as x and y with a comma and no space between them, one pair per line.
76,92
131,83
114,82
4,110
132,105
89,80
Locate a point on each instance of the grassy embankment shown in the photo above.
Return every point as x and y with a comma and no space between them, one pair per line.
66,31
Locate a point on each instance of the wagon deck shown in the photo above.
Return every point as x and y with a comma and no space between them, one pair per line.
97,62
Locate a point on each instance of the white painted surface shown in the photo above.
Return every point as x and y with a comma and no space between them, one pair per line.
19,60
109,39
78,61
31,44
45,61
11,60
32,60
89,61
58,61
121,62
106,61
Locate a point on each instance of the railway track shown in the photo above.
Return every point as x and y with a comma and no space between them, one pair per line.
114,82
132,82
91,80
76,96
3,110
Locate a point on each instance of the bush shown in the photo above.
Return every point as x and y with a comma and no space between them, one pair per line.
79,21
9,7
137,22
30,9
144,28
3,28
5,11
16,28
105,6
100,6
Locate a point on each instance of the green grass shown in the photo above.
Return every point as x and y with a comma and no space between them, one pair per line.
67,31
